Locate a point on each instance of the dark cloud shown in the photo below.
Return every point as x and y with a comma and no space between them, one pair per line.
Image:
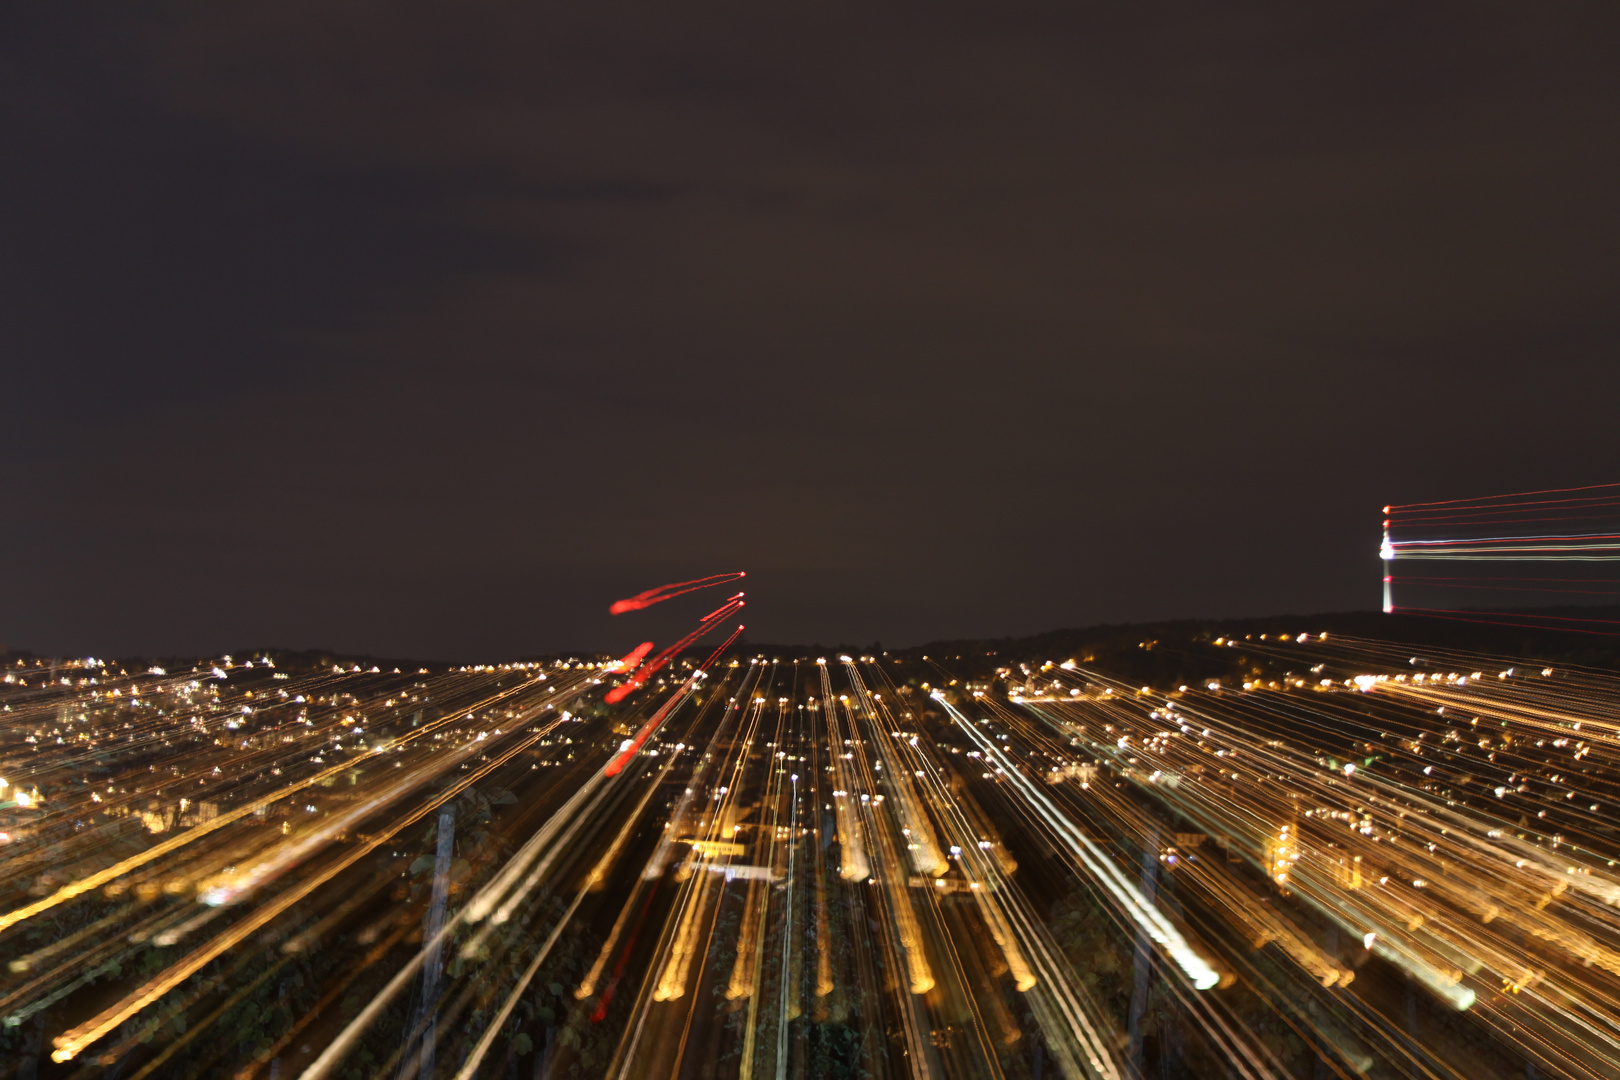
430,329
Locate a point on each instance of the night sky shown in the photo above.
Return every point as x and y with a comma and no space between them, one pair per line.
428,330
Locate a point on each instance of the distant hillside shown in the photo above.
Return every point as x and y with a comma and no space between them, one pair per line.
1181,650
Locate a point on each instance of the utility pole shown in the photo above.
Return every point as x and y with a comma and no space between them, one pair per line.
1144,953
427,1012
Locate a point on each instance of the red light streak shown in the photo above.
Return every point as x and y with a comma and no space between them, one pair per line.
669,592
633,658
628,751
652,667
1468,503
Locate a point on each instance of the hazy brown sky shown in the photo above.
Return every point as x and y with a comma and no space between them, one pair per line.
430,329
